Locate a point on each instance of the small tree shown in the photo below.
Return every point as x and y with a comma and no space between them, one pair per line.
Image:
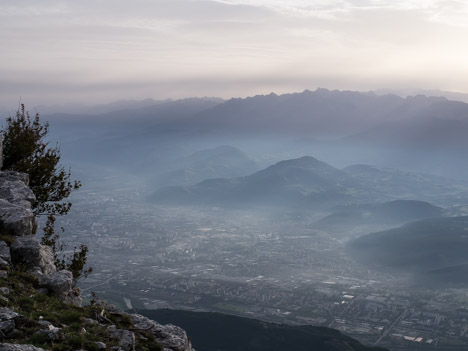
26,150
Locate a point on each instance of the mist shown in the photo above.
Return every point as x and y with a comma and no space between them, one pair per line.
294,208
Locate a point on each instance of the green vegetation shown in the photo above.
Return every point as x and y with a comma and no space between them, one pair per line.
26,150
80,327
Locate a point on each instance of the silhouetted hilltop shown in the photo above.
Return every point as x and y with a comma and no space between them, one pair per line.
302,181
221,332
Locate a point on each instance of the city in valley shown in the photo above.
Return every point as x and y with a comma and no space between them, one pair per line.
271,265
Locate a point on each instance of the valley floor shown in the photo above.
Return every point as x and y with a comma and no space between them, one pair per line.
267,265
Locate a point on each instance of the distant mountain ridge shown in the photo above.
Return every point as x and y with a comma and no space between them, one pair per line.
405,132
314,113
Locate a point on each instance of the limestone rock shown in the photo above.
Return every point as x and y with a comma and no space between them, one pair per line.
74,297
16,199
15,176
51,333
26,250
16,219
6,327
18,347
5,251
100,345
4,264
44,323
91,321
14,188
1,153
126,338
59,283
169,336
7,314
7,321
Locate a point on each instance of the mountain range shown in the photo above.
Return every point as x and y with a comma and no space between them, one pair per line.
415,133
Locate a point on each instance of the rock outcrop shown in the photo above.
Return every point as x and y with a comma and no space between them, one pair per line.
16,199
25,252
35,258
170,336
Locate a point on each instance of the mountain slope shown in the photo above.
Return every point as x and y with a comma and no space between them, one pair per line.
390,213
220,162
219,332
409,185
421,246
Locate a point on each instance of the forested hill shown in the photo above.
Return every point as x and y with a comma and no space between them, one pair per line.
222,332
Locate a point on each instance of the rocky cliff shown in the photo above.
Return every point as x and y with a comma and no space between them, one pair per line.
40,309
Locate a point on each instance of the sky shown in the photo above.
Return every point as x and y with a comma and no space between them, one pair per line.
96,51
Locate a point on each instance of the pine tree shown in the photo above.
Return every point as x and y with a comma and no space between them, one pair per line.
26,150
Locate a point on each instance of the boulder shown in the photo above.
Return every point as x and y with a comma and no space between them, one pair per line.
6,314
169,336
6,327
7,321
14,188
18,347
16,219
37,258
100,345
4,264
126,338
16,199
50,333
5,251
59,283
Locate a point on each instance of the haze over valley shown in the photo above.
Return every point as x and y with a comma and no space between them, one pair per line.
269,174
213,205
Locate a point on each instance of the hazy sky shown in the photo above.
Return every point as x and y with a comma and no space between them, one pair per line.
56,51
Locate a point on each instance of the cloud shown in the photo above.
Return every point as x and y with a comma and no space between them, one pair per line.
121,48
